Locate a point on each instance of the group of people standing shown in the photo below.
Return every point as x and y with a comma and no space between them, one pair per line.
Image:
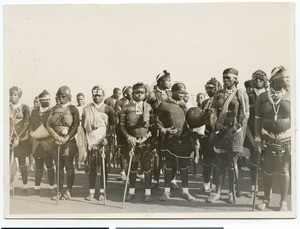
155,131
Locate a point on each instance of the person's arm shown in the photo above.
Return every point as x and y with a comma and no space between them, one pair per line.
31,120
244,108
50,129
123,122
73,129
213,113
83,120
112,121
26,117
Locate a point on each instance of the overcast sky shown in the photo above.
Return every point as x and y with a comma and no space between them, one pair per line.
46,46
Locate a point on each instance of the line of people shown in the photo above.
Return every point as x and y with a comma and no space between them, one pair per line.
155,131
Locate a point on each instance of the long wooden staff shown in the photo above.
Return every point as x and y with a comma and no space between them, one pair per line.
131,153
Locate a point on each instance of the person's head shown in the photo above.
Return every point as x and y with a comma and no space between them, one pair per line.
139,92
212,86
230,78
117,93
127,92
259,79
44,99
178,91
249,86
63,95
200,97
97,94
163,80
15,94
36,102
186,97
80,99
280,79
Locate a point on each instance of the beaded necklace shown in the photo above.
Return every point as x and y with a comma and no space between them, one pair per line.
275,98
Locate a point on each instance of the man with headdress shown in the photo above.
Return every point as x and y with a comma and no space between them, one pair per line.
42,142
62,124
127,97
229,115
206,147
273,135
260,85
98,121
176,138
136,121
20,146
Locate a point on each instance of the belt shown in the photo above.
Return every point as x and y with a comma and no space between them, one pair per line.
140,140
281,136
278,120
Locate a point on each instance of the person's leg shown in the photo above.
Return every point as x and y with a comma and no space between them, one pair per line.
92,174
233,175
147,173
284,179
220,162
24,174
170,161
207,164
50,171
100,162
174,184
70,173
133,175
269,169
253,165
39,163
183,165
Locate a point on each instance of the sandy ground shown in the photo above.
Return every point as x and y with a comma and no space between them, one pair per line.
36,205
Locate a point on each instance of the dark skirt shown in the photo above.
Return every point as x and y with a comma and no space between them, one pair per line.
23,149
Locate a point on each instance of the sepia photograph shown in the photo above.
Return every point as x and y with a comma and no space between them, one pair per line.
149,111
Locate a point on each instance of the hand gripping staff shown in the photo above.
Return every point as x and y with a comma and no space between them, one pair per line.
104,175
131,153
256,177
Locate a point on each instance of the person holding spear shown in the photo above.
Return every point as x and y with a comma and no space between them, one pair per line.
136,120
229,115
62,125
98,121
260,85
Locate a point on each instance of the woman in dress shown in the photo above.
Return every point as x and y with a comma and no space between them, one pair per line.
19,115
62,124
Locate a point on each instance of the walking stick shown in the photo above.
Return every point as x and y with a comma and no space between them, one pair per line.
127,177
57,174
104,175
256,180
234,179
